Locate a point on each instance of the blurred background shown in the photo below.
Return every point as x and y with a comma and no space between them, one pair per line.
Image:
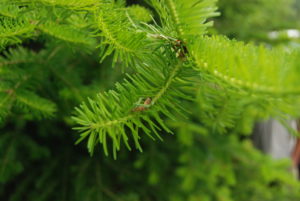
272,21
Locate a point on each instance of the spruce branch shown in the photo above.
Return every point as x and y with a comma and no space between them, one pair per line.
15,90
120,36
175,16
8,156
9,10
113,112
188,17
169,81
241,67
173,63
89,5
157,83
13,30
39,107
67,33
16,56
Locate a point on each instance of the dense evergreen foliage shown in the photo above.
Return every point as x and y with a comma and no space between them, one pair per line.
145,77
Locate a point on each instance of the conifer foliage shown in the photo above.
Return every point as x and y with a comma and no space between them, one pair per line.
159,73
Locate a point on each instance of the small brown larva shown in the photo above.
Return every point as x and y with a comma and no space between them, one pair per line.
143,107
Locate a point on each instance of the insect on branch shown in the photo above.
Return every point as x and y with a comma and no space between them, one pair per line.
142,107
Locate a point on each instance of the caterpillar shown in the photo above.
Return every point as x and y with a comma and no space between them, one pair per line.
144,106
